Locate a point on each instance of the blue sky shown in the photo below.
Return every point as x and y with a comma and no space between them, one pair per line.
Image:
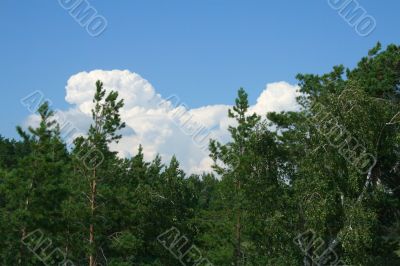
201,50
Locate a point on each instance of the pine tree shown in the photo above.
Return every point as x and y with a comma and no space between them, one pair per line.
234,156
35,189
95,161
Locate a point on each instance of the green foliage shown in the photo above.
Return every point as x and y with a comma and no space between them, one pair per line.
278,179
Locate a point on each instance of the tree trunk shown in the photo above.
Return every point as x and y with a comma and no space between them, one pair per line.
21,249
238,249
23,230
92,261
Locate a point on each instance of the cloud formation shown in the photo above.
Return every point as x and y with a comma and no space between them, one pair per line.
163,125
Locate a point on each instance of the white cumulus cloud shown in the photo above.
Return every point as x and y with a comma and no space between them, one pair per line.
277,97
163,125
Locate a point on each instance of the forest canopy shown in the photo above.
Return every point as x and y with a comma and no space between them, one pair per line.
320,186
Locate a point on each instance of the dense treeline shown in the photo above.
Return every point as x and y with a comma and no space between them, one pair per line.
320,186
